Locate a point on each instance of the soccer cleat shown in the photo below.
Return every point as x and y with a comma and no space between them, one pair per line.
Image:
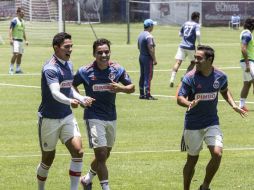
171,84
11,72
150,98
244,108
142,97
19,72
84,185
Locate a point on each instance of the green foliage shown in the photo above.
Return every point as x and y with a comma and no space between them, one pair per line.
146,154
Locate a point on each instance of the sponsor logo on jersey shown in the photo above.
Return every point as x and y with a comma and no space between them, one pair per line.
206,96
216,84
102,87
66,84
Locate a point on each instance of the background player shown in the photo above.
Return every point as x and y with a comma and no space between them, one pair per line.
147,60
190,31
247,60
100,80
56,120
199,94
17,35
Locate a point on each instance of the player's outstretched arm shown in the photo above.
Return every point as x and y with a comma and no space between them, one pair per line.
226,94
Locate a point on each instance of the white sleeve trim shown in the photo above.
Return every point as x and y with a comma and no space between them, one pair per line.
57,95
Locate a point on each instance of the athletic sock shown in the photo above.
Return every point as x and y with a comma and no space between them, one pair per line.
11,66
89,176
42,174
242,102
18,67
173,76
75,172
104,185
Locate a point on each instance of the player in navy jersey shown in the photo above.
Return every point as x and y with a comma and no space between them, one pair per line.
190,32
56,120
101,81
199,94
147,60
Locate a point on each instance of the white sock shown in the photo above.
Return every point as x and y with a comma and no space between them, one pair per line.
18,67
104,185
12,66
75,172
242,102
173,76
42,174
89,176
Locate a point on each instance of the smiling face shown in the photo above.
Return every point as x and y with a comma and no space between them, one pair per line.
64,50
102,56
201,62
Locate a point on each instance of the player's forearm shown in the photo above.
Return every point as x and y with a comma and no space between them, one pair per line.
129,89
57,95
182,101
77,96
229,98
152,53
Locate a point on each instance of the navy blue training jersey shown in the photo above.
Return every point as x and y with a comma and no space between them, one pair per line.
97,85
188,32
206,88
145,38
54,71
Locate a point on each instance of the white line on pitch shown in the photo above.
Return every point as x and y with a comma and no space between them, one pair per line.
137,71
126,152
163,96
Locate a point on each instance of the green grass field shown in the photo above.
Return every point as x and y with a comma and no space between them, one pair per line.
146,154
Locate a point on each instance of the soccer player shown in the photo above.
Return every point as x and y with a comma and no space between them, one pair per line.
56,120
190,32
17,36
101,81
247,60
199,94
147,60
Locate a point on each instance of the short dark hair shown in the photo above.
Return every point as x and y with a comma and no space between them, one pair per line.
209,52
249,24
100,42
195,15
19,9
59,38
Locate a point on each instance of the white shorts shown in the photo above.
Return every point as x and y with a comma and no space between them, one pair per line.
101,133
183,53
194,139
50,130
17,47
248,76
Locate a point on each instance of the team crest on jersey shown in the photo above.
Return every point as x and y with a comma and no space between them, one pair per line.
216,84
111,76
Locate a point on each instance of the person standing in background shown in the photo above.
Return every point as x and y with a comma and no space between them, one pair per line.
17,36
147,60
247,60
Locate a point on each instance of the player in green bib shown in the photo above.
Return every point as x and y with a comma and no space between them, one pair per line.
247,60
17,37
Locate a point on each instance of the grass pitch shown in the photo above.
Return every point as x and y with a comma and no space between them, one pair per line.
146,154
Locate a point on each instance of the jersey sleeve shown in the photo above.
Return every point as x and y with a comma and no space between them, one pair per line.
77,79
246,38
125,78
51,76
13,23
224,83
185,88
150,40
